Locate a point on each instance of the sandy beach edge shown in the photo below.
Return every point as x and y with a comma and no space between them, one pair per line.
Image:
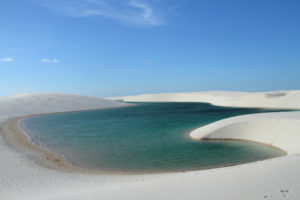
18,140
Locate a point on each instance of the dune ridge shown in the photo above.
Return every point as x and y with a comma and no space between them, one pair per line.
272,99
278,130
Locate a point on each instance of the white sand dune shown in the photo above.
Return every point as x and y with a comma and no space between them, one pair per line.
274,99
30,103
281,130
21,178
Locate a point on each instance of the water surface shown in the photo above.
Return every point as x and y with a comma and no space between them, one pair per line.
147,137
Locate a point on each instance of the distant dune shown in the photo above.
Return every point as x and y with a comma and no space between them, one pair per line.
273,99
38,103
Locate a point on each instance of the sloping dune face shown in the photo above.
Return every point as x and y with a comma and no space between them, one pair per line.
271,129
42,103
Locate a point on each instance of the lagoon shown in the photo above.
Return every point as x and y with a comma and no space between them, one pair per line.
146,137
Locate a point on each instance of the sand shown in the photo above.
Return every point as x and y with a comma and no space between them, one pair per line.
24,176
273,99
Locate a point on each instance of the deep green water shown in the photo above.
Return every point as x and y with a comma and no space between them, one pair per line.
148,137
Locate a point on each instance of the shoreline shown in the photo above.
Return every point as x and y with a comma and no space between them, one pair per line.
22,178
17,139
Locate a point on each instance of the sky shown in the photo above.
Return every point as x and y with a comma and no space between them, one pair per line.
127,47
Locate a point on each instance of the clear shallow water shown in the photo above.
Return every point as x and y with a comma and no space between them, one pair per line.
148,137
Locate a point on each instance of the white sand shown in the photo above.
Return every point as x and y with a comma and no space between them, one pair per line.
281,130
274,99
21,178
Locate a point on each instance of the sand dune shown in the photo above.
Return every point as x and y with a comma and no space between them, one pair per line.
281,130
21,178
30,103
274,99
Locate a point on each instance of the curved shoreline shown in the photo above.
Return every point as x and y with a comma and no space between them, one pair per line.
266,128
16,137
245,140
19,141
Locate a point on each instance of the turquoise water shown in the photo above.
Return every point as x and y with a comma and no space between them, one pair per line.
147,137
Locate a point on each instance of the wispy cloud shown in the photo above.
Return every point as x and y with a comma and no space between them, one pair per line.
6,60
132,12
46,60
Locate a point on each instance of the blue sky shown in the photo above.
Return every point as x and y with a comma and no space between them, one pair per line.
126,47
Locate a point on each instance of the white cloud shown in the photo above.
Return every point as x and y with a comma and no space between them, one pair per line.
6,60
46,60
55,61
133,12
